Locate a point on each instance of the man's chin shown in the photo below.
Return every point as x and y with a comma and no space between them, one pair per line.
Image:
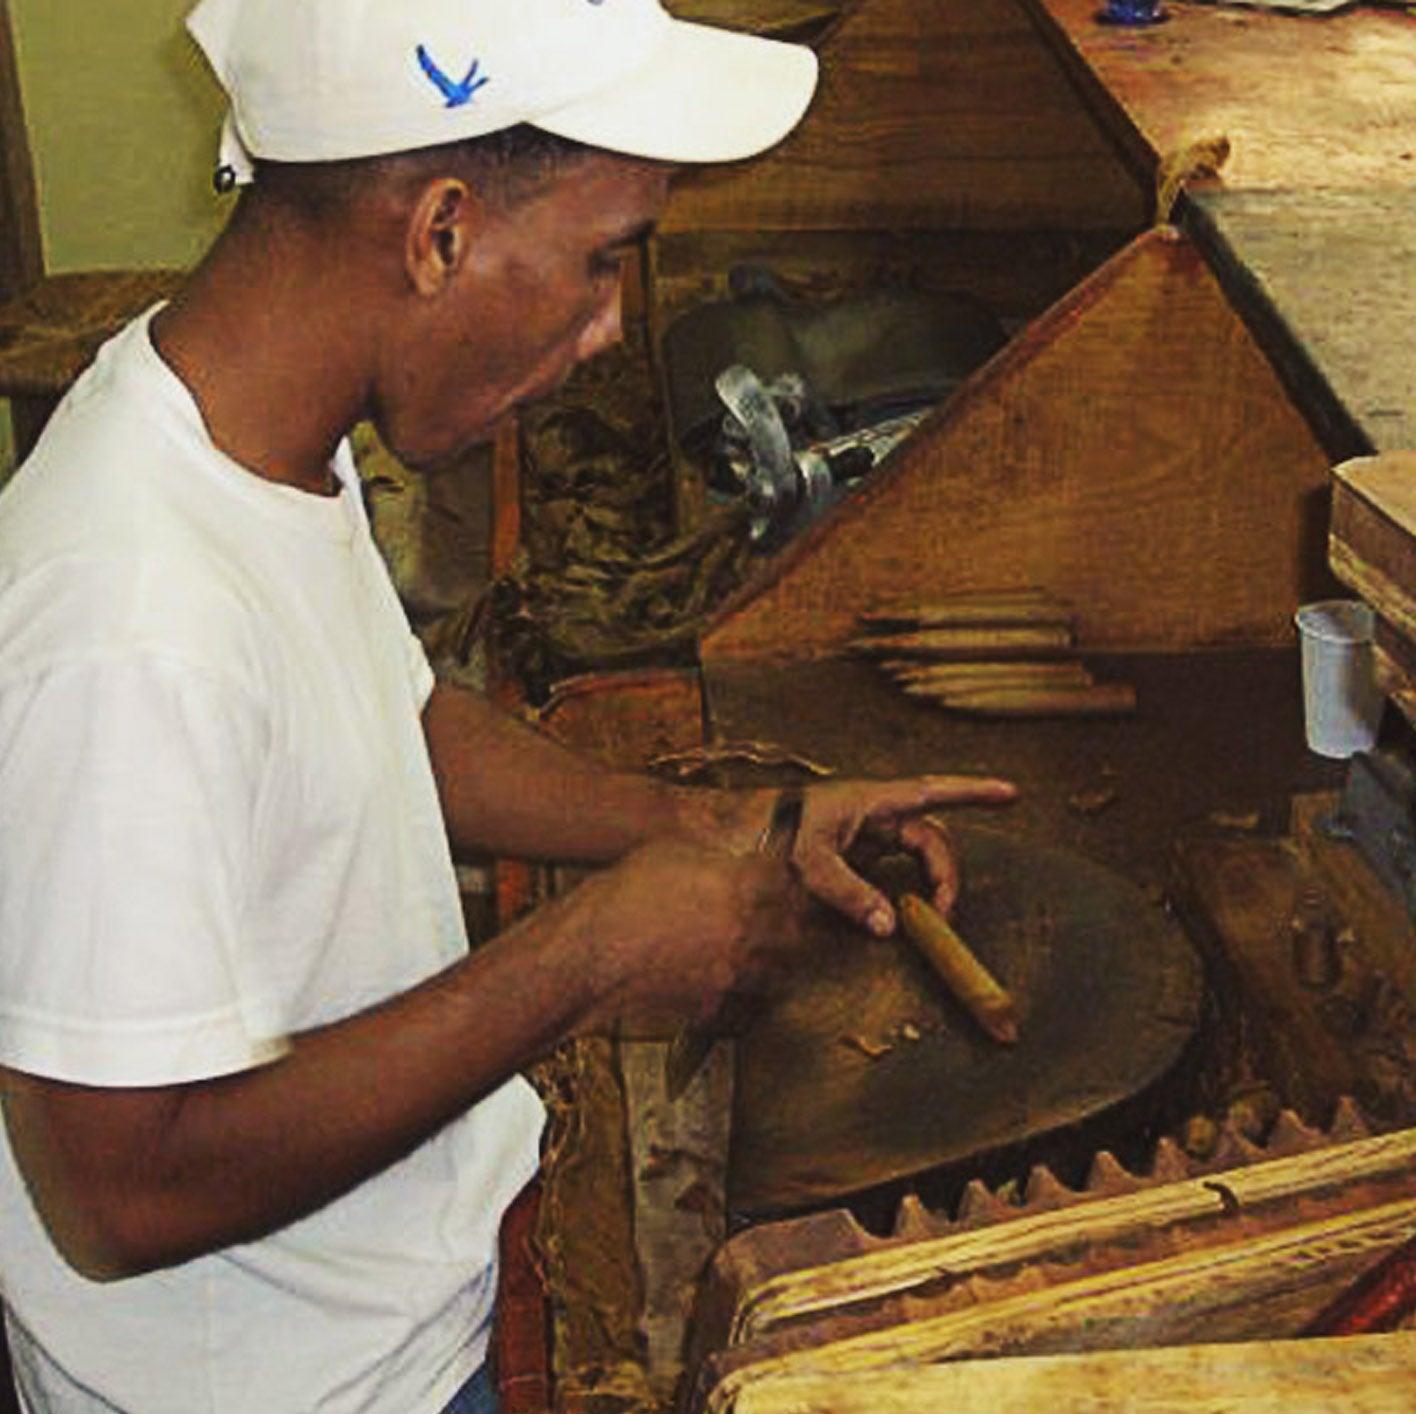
430,460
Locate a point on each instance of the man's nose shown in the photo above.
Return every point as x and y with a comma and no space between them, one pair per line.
606,329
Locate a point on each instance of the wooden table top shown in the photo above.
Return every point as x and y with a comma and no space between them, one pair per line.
1306,101
1309,223
1323,279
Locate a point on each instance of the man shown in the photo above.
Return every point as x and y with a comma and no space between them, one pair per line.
262,1107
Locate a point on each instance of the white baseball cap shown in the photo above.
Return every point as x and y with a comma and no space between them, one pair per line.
325,80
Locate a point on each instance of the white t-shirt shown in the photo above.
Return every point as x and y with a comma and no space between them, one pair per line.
219,827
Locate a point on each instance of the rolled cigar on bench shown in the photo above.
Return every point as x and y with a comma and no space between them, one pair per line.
993,641
1102,699
965,976
969,677
1022,607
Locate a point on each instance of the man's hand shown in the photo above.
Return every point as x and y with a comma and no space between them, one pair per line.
839,813
674,927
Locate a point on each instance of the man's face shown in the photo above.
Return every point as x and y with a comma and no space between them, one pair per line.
539,292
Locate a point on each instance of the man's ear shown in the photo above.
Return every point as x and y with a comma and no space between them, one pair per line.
441,228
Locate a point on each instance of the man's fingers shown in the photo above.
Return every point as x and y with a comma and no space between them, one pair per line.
928,837
832,881
910,797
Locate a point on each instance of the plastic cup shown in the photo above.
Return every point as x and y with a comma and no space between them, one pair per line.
1342,704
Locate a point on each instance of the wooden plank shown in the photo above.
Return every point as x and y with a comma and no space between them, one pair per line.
1366,1375
1242,897
1219,731
679,1156
1395,658
1132,452
1279,1185
1262,1284
1325,1008
1373,541
585,1233
1388,483
777,18
1064,1238
521,1332
1373,550
1305,102
1379,924
506,500
939,115
21,245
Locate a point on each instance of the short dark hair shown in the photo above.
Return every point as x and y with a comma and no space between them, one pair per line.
504,167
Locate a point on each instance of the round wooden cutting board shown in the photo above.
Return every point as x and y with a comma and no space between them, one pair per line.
862,1069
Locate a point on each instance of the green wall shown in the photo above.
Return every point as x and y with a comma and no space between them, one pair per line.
123,120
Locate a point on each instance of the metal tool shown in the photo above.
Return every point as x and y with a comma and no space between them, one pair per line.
690,1048
786,488
1377,813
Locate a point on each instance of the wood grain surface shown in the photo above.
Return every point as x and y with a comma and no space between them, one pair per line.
939,115
1388,483
1366,1375
1395,658
1373,541
21,246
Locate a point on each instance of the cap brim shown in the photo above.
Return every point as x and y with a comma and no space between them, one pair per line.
710,95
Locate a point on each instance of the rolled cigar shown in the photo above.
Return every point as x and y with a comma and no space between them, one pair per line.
964,975
1103,699
1018,594
969,612
1000,641
963,677
963,694
1005,591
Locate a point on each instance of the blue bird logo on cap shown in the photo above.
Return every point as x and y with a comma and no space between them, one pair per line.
458,95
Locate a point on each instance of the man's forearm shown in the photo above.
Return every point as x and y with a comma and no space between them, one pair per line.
133,1180
509,790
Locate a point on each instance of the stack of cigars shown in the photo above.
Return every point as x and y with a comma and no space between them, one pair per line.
991,653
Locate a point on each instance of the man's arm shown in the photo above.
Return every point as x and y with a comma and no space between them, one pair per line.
509,790
506,789
132,1180
128,1180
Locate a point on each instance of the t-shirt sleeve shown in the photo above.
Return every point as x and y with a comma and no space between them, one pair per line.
420,670
128,795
